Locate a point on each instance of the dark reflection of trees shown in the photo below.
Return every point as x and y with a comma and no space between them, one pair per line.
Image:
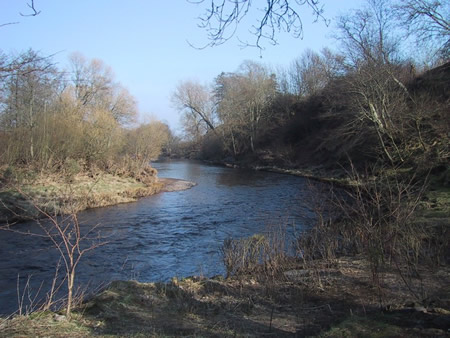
194,169
240,177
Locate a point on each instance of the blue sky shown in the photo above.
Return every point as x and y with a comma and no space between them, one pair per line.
145,42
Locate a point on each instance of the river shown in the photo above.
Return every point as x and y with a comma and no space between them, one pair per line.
165,235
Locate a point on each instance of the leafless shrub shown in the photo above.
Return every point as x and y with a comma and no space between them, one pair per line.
29,300
264,255
318,246
322,240
375,217
242,255
71,242
127,166
25,308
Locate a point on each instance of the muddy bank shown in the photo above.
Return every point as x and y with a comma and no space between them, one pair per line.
172,184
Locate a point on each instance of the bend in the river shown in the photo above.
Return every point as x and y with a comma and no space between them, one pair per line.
170,234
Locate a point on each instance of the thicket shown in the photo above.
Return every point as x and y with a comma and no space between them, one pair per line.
70,121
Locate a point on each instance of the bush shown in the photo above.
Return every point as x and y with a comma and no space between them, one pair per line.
265,254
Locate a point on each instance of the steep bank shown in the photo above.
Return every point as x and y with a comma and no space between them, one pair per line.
327,132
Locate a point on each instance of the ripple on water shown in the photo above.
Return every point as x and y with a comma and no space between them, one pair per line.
174,233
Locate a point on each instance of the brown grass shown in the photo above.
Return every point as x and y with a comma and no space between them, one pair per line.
51,193
295,305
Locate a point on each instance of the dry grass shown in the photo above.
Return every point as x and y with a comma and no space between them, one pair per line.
346,304
45,324
52,192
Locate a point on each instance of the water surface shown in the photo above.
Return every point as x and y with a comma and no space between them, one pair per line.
165,235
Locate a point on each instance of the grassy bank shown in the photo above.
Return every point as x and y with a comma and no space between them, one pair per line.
319,300
54,193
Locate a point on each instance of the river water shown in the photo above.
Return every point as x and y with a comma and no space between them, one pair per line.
165,235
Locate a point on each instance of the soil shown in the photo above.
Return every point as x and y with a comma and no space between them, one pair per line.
172,184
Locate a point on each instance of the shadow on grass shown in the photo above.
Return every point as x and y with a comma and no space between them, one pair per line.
214,308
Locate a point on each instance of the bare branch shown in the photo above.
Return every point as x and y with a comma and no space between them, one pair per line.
427,21
8,23
222,18
31,6
66,235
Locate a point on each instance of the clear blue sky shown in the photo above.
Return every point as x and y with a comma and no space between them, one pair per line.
145,42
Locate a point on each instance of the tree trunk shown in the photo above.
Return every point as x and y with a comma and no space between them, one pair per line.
70,281
31,127
234,143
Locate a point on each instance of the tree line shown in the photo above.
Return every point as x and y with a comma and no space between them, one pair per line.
55,119
371,100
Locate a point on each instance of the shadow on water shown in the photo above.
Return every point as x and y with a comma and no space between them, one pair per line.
165,235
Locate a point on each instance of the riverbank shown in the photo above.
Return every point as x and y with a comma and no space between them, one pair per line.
336,297
55,194
172,184
314,300
317,173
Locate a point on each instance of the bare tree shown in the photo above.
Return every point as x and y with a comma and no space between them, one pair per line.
367,34
372,62
28,87
222,18
428,21
121,104
243,100
23,63
94,87
196,103
90,79
48,119
312,71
